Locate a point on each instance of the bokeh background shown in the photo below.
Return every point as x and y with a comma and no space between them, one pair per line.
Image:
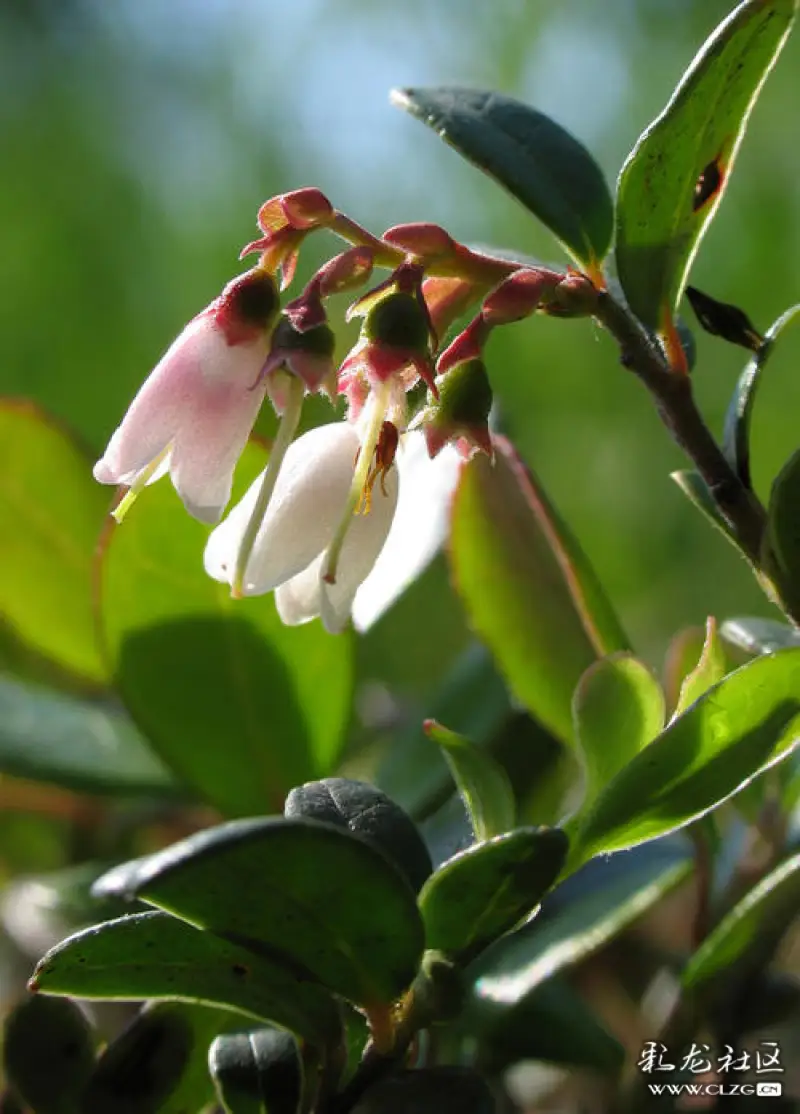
139,137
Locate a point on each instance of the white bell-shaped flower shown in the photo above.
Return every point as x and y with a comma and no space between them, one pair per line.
311,496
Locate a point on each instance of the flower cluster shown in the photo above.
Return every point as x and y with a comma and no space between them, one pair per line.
313,524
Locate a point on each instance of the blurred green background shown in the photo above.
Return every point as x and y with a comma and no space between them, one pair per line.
139,138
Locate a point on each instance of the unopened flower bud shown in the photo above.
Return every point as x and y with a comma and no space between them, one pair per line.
307,355
462,412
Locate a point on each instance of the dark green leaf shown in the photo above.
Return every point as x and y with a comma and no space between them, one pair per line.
759,636
295,886
735,731
529,590
257,1072
51,515
618,708
723,320
75,743
736,441
48,1054
439,1090
486,890
153,955
532,156
709,671
782,555
241,707
365,810
482,783
139,1071
751,930
604,898
550,1023
673,180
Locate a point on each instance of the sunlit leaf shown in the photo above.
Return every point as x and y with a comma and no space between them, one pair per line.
675,176
51,515
735,731
528,588
482,783
711,667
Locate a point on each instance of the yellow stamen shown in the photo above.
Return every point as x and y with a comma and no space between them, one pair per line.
132,494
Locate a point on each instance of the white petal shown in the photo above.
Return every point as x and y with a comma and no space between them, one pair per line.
305,508
153,416
300,599
362,545
418,530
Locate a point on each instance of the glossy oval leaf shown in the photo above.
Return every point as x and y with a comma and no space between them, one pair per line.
482,783
618,708
551,1023
528,589
532,156
257,1072
238,705
736,440
76,743
51,516
297,886
486,890
753,928
735,731
602,900
695,488
759,636
48,1054
683,654
675,176
153,955
361,808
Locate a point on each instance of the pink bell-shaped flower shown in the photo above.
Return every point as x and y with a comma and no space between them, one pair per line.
194,413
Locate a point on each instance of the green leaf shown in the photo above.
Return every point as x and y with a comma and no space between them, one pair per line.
486,890
153,955
759,636
695,488
78,744
139,1071
532,156
683,653
438,1090
736,441
528,589
257,1072
675,176
48,1054
365,810
550,1023
618,708
51,515
735,731
241,707
482,783
577,919
473,697
751,930
297,886
782,548
709,671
